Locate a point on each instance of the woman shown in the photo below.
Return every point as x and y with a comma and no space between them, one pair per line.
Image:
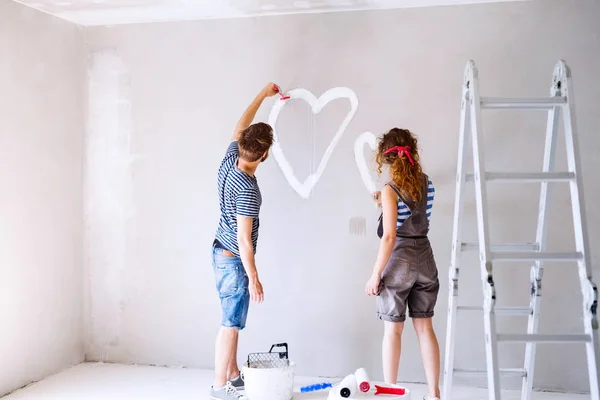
405,273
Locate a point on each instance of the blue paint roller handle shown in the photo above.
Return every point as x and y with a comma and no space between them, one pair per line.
314,388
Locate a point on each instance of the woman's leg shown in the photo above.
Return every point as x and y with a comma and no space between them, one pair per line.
430,353
392,344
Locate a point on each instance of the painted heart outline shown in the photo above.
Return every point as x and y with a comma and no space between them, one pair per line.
317,104
365,174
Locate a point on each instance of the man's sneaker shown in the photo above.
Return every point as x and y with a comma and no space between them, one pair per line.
238,382
227,392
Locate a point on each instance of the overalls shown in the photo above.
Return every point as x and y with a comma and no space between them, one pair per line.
410,277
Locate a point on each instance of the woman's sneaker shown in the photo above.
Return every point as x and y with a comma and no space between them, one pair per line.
227,392
238,382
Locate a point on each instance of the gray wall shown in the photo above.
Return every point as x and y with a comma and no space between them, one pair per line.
173,99
41,130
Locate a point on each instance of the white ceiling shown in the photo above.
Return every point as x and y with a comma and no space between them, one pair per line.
111,12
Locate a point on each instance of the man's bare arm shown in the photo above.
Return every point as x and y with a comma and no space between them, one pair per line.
244,237
248,116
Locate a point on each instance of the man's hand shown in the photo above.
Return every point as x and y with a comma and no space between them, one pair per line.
271,89
256,291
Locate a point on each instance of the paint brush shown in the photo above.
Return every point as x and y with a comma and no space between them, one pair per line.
282,95
376,197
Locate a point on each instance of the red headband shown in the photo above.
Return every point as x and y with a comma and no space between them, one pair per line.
402,150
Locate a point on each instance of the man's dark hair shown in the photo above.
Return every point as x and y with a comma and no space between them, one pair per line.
255,141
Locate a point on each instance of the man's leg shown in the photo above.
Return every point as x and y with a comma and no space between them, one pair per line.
233,371
225,349
241,314
229,279
232,286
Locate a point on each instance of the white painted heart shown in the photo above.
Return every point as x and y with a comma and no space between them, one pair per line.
365,174
305,188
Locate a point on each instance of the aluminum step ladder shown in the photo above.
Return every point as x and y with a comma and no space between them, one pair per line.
561,99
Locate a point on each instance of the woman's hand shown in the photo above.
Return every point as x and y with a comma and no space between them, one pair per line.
372,288
376,197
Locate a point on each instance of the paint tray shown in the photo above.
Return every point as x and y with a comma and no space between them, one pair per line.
272,359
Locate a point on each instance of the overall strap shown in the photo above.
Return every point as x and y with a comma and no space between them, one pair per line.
394,188
397,191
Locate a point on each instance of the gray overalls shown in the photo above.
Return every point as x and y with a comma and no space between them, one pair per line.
410,277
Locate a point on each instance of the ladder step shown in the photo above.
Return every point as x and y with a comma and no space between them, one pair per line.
526,177
535,256
501,248
571,338
545,103
518,372
499,310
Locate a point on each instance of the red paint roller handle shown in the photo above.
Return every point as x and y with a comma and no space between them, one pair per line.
277,89
389,390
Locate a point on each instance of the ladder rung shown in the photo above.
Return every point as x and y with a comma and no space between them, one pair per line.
499,310
572,338
501,248
535,256
546,103
526,177
520,372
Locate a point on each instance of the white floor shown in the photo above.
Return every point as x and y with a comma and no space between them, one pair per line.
124,382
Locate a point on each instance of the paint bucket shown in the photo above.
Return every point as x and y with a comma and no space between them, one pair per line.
269,383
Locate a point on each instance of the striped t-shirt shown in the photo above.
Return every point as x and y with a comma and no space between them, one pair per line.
404,211
238,195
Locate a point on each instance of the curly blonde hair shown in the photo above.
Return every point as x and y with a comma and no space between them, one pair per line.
406,176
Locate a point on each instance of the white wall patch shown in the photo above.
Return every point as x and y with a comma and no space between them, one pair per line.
108,196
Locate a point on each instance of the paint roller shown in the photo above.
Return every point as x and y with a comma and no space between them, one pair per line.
348,387
362,379
282,95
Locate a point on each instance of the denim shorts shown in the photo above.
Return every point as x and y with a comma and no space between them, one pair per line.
232,286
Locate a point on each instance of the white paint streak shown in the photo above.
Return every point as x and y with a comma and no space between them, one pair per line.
108,197
304,188
365,174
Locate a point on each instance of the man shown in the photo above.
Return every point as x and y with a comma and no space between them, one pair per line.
235,244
